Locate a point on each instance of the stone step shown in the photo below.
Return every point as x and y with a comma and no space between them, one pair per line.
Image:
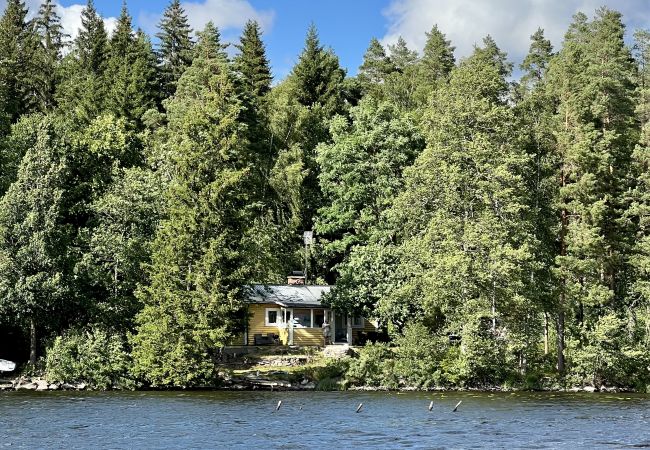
336,351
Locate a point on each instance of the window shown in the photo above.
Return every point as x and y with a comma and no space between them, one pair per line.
286,316
302,318
319,318
357,322
272,317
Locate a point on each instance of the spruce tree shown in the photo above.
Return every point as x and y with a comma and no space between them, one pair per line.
251,63
191,303
402,84
50,31
314,90
435,65
83,88
131,69
18,73
175,48
318,76
91,45
254,83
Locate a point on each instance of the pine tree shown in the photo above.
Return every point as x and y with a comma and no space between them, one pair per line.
191,304
18,44
375,69
48,26
535,111
639,209
175,52
592,79
536,62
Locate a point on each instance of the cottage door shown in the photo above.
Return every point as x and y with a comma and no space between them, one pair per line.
340,328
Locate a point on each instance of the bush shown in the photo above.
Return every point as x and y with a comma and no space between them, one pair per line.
92,356
418,356
609,356
373,367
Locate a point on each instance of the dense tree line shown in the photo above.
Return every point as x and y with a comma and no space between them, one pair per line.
497,228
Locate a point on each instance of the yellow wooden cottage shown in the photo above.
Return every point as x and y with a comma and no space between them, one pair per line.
293,314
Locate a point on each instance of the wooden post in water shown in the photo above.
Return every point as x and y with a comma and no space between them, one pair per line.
279,404
359,407
431,406
457,405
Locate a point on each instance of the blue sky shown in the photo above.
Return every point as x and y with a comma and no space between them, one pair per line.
348,34
348,25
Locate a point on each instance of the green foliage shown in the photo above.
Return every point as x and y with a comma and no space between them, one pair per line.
477,217
18,70
175,52
93,356
192,302
131,68
82,90
50,31
610,357
374,367
35,264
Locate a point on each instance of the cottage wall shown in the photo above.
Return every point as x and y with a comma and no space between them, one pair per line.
256,322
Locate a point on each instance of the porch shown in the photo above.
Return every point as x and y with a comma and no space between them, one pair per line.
271,324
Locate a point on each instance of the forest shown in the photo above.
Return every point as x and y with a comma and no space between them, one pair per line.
494,219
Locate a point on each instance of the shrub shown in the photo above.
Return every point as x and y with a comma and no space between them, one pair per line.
418,356
373,367
93,356
609,356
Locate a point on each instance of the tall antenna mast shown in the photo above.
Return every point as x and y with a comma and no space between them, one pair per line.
308,239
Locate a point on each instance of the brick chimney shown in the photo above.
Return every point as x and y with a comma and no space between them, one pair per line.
297,278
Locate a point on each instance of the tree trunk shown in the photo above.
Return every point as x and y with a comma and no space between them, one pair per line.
32,342
560,340
545,333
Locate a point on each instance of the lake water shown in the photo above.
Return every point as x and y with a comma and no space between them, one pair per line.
322,420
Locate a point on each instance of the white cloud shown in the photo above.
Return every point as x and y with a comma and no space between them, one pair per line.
225,14
71,20
510,22
70,16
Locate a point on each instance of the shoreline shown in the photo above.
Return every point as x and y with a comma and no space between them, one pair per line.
41,385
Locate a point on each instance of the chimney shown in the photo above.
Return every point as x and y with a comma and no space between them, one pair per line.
297,278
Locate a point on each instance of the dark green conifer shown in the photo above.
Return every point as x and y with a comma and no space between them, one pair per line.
175,47
375,69
50,31
18,73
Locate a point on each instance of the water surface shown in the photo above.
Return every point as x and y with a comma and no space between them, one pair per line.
322,420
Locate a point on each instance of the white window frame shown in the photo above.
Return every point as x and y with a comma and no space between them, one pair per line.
278,317
361,322
299,325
